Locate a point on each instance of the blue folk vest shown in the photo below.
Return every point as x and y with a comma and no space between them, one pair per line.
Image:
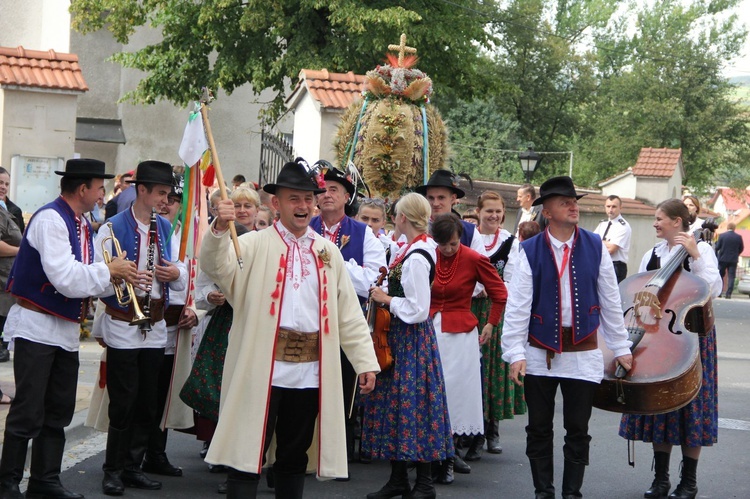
27,279
545,325
468,233
354,248
124,227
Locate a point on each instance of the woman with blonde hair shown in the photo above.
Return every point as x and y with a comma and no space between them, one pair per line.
406,416
246,203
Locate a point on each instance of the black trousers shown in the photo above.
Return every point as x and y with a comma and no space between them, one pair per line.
578,397
731,270
46,379
157,442
132,380
621,271
291,415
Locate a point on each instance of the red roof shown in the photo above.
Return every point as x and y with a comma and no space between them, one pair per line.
657,162
34,68
731,201
332,90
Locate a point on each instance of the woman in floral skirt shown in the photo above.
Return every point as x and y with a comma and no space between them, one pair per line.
502,398
406,417
696,425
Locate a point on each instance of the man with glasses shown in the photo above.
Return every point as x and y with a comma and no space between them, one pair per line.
363,255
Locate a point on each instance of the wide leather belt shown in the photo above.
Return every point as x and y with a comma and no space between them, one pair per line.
295,346
590,343
30,306
156,311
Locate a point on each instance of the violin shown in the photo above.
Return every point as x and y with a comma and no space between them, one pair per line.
665,312
379,320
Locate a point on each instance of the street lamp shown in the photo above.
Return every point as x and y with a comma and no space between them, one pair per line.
529,161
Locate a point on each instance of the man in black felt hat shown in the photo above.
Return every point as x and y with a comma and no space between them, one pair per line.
132,354
442,191
563,288
363,254
294,309
52,278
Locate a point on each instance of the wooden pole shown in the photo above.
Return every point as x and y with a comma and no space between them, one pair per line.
217,168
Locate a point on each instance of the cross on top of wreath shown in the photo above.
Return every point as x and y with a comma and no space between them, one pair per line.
402,49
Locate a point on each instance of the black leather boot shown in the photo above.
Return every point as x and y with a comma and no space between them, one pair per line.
242,485
493,437
688,486
543,474
475,449
114,461
397,485
288,485
572,479
460,466
660,486
11,466
46,458
133,475
443,472
156,460
423,489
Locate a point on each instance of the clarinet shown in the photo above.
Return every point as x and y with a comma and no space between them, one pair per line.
150,262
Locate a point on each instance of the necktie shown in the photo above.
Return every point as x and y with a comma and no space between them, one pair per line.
604,237
566,255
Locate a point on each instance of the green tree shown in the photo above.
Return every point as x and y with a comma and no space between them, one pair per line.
544,70
479,135
228,43
662,87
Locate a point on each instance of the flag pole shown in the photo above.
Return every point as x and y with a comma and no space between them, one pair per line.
217,167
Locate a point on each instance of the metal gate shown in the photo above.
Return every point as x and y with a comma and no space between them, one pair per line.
275,151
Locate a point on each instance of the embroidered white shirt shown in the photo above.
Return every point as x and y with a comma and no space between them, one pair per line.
300,307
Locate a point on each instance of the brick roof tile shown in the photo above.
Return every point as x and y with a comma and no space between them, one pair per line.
332,90
657,162
41,69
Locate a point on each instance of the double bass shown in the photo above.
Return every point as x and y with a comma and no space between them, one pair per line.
379,320
665,311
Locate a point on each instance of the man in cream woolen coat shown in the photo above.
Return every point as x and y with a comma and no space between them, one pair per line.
294,308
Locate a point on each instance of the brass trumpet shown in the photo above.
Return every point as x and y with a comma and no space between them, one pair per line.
124,299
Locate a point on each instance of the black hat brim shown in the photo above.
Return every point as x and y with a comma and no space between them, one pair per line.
542,199
154,182
422,189
271,188
105,176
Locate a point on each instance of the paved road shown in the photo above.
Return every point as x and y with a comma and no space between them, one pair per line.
722,473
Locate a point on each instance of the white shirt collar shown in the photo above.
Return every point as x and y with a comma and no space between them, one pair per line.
287,235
